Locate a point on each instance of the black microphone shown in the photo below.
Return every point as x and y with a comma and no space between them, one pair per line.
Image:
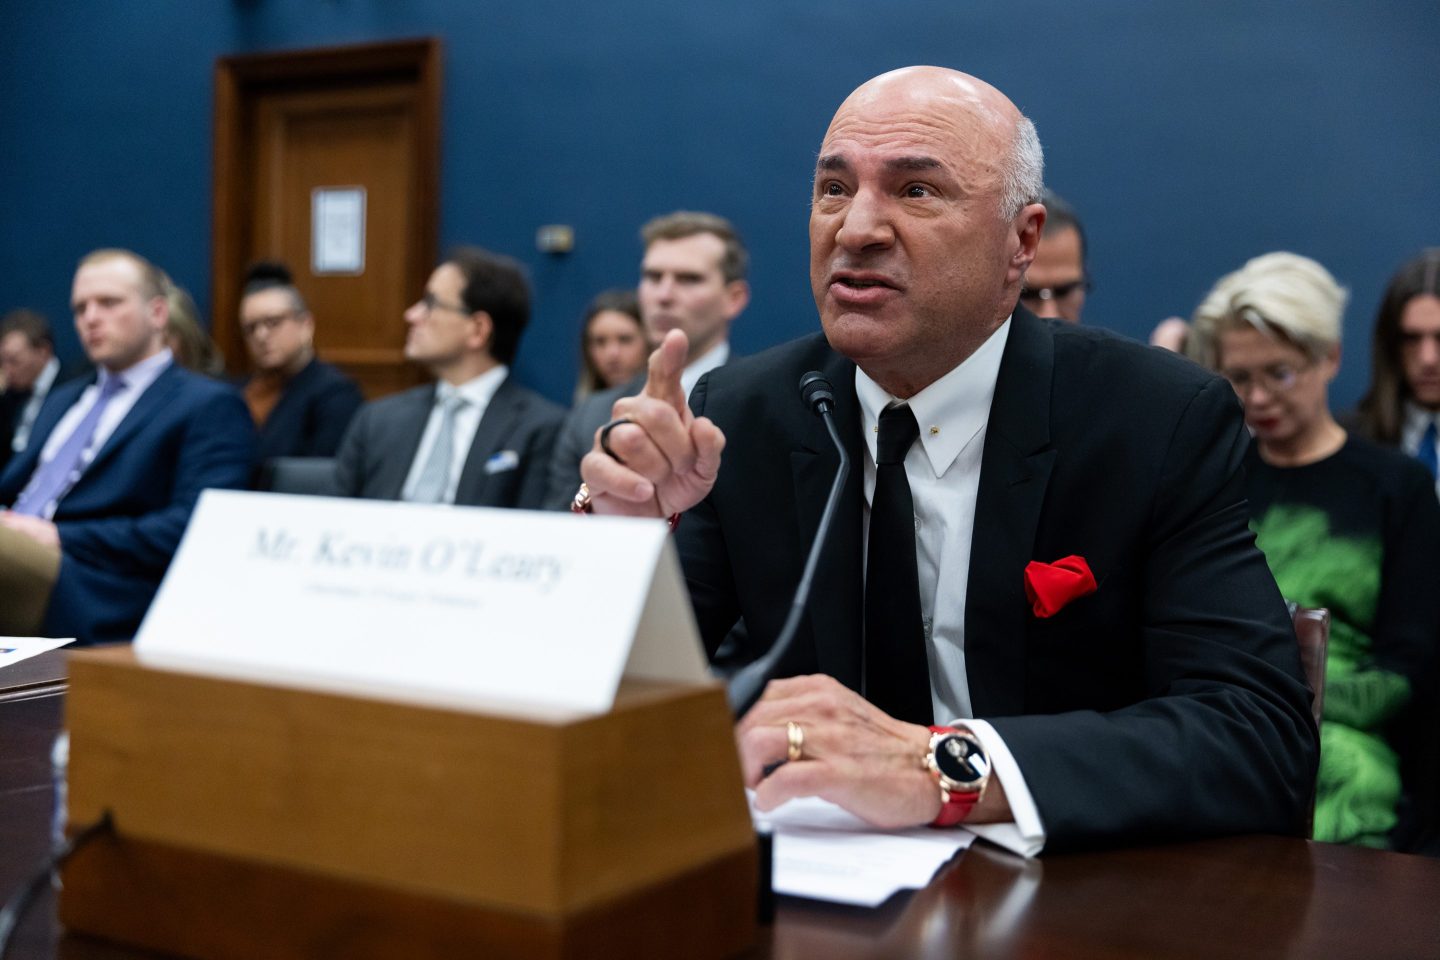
747,685
819,396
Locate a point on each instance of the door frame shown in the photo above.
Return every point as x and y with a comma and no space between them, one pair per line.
238,79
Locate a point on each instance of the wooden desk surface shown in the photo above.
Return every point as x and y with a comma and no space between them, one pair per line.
1235,898
41,674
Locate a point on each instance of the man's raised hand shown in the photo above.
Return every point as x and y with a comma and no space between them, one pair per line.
665,459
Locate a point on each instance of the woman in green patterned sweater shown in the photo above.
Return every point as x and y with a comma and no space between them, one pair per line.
1344,525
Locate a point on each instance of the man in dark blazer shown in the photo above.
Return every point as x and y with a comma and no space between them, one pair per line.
116,462
692,278
30,370
476,437
1096,633
311,415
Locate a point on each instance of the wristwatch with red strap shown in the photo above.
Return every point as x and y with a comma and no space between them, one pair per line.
962,769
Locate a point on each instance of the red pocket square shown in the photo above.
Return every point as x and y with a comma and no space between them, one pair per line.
1050,586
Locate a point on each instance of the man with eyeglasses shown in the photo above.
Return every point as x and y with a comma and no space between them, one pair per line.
104,489
1056,283
300,403
475,437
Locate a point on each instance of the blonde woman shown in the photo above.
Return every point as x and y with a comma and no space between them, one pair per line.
1344,524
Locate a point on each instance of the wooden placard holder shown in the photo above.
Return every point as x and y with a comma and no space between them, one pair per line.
264,821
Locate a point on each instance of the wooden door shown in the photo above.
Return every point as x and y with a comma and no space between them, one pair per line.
354,119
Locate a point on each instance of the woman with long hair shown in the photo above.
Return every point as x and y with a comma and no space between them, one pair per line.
613,345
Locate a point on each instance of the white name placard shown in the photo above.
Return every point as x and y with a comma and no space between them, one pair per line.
497,610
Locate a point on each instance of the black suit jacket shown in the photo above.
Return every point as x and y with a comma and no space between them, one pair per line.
12,404
382,441
1169,702
311,415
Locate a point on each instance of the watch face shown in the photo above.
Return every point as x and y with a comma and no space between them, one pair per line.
962,760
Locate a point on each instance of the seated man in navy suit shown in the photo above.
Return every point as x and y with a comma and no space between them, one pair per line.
103,491
476,437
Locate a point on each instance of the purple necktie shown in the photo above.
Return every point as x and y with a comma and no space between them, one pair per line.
54,479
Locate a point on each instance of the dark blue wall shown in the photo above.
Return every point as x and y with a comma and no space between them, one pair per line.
1191,134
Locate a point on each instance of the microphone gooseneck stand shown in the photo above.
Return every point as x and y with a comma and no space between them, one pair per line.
747,685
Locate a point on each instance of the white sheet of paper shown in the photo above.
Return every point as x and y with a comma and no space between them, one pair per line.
337,230
824,853
15,649
508,611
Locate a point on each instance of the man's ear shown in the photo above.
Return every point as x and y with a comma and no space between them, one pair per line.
737,297
1027,225
158,310
483,333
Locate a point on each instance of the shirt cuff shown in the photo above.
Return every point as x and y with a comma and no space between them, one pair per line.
1026,834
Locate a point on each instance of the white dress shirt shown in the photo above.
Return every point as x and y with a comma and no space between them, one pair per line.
477,393
697,368
31,410
1412,431
943,470
137,379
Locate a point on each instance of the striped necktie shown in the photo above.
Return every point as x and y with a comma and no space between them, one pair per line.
54,479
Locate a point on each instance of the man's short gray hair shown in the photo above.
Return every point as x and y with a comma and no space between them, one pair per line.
1024,170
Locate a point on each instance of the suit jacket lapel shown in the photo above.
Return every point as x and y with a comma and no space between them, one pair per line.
835,611
1014,473
501,413
153,399
395,455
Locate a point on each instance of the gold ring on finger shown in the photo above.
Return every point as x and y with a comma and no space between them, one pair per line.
795,737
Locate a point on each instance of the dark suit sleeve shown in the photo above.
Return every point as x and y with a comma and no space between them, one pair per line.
572,441
536,461
216,450
334,409
350,458
11,403
706,560
1223,741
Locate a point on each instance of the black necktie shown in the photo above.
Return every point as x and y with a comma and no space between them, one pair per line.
897,673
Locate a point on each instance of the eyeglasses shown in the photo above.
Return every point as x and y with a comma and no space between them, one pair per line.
1276,378
1058,292
431,302
268,324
